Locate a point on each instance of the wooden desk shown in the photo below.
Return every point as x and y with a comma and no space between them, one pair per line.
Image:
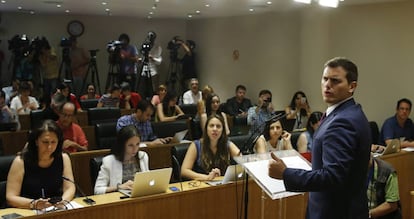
82,118
224,201
403,162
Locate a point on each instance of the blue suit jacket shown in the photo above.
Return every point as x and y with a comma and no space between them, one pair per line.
340,156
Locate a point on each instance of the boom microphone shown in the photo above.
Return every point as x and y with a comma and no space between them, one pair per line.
87,200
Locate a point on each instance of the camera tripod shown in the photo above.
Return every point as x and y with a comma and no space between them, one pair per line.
144,79
173,76
94,70
65,64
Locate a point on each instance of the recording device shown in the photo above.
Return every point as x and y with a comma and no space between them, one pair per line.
148,43
65,42
87,200
114,45
55,199
268,100
93,52
303,100
23,47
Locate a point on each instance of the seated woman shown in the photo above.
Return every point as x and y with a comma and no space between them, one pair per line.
273,139
24,103
168,110
91,93
161,92
35,176
305,138
209,157
64,89
299,110
7,115
212,108
118,169
110,99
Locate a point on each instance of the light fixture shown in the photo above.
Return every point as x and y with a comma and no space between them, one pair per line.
269,2
67,11
251,9
329,3
104,3
304,1
3,1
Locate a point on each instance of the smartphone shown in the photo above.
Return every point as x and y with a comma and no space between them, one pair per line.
174,189
11,216
303,100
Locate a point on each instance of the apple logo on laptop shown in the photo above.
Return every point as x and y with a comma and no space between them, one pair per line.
151,182
240,175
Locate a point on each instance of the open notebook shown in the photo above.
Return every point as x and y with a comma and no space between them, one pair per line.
149,183
392,147
233,173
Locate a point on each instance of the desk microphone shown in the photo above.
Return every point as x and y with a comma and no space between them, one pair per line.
87,200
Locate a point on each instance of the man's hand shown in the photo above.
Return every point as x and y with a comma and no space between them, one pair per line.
276,167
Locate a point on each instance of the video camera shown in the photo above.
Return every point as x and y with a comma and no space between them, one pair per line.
65,42
19,42
21,46
174,44
148,43
114,45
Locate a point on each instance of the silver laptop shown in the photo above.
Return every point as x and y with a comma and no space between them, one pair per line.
392,147
149,183
179,137
233,173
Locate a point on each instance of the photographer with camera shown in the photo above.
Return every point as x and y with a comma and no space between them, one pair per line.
258,115
188,62
128,58
49,68
79,60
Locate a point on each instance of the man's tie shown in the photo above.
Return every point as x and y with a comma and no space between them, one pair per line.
323,117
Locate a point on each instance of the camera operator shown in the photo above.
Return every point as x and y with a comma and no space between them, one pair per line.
79,65
188,62
154,59
128,55
258,115
49,68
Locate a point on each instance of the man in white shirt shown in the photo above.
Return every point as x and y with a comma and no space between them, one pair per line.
193,95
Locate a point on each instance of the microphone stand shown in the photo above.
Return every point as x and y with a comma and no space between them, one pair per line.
87,200
248,149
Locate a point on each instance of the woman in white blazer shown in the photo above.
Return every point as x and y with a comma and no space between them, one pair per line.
118,168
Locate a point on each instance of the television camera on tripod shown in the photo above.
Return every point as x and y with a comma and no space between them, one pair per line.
145,83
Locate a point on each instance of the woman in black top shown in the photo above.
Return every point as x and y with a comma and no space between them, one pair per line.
35,178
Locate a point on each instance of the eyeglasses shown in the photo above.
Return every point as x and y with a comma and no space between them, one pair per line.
66,115
193,184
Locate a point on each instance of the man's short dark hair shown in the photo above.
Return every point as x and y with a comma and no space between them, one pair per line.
143,105
240,87
124,36
265,92
404,100
350,67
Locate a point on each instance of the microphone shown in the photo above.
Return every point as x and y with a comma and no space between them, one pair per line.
87,200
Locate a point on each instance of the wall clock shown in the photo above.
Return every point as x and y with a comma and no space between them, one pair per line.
75,28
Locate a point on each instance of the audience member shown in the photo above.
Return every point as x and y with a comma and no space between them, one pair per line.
209,157
141,120
299,110
258,115
399,126
7,115
274,138
73,135
11,91
193,95
53,110
201,104
168,110
383,195
111,99
118,169
239,104
189,69
128,98
64,89
90,93
161,92
213,108
305,138
36,173
23,103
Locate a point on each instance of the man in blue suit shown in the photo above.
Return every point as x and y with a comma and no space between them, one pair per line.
340,152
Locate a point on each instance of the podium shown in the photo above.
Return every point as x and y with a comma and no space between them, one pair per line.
257,165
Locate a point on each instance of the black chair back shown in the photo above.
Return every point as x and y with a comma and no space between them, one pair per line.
177,157
294,139
88,103
189,109
105,134
36,118
5,163
103,115
374,132
168,129
95,166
